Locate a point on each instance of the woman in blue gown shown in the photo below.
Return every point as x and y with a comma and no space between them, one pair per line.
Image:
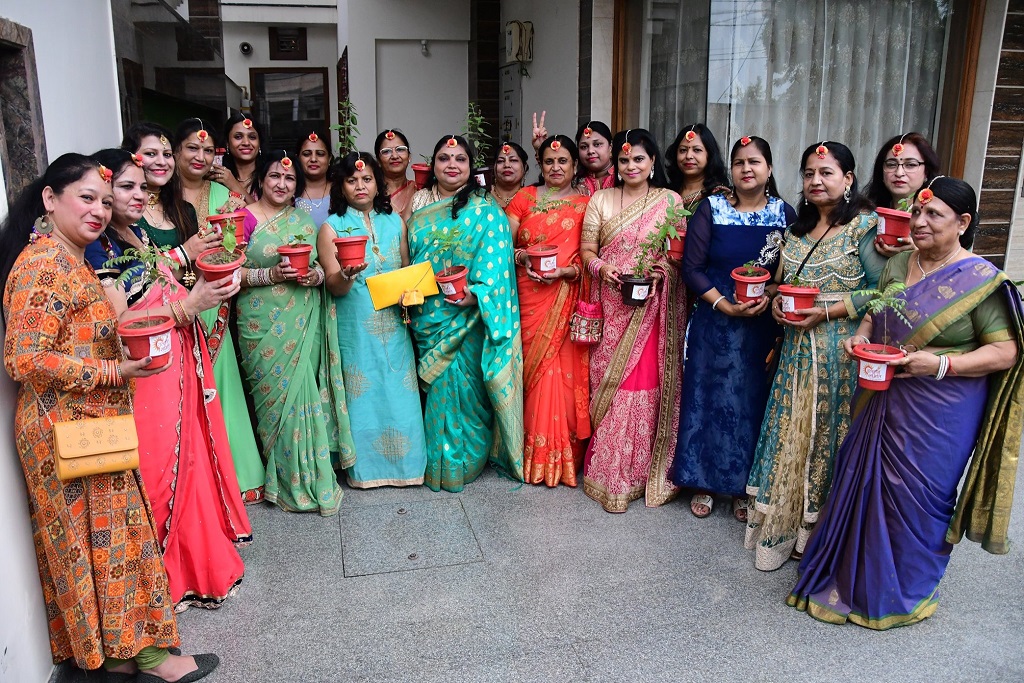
725,382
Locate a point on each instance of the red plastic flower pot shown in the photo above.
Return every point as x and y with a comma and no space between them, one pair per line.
452,281
220,222
874,371
796,297
148,337
543,258
297,256
674,247
217,264
351,250
635,289
750,287
895,225
420,173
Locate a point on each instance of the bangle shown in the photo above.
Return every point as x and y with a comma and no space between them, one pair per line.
516,254
594,267
943,367
319,280
714,306
866,340
577,272
826,313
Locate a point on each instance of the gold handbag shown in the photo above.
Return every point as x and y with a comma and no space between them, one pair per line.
96,445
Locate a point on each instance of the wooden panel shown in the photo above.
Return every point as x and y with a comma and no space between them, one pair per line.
964,71
996,260
992,238
1013,34
1006,139
1000,173
1008,105
1011,69
996,205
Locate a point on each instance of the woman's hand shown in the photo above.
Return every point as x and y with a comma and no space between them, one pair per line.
283,272
916,364
138,368
314,277
468,299
746,309
610,275
200,242
540,133
855,340
206,295
812,316
350,272
905,244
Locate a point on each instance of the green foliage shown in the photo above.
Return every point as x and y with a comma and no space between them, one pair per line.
753,269
295,240
228,239
476,133
347,127
648,252
886,298
149,258
674,223
449,240
547,202
905,204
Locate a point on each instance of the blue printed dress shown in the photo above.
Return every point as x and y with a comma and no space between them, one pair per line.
725,383
381,387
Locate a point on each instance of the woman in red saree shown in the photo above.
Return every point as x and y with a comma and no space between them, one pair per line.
636,370
555,371
184,455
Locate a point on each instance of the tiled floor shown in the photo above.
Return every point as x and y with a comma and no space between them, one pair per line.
515,583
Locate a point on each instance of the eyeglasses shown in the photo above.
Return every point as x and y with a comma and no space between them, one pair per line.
907,164
388,151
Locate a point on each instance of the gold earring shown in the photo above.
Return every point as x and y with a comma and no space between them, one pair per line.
42,227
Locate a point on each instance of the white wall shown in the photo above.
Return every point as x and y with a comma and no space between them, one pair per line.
74,46
601,67
553,83
363,24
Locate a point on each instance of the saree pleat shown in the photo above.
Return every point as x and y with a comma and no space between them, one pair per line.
884,539
636,371
555,371
288,340
470,358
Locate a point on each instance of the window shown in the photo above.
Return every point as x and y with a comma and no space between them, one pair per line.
289,104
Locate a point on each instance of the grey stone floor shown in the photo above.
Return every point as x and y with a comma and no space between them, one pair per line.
517,583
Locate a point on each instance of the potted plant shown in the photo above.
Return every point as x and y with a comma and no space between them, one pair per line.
451,280
543,258
796,296
750,281
895,223
636,286
347,129
477,135
296,252
232,222
672,229
149,336
420,172
351,248
221,262
874,369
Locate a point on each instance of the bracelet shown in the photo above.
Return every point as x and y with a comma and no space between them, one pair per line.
347,278
577,272
714,306
943,367
826,313
319,280
516,254
594,267
949,365
117,371
866,340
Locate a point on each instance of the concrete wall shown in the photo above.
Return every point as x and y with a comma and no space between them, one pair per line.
394,26
80,106
554,73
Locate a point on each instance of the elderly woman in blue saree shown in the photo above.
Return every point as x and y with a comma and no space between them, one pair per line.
377,359
288,340
470,350
885,534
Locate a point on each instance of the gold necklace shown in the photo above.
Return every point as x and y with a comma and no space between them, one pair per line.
503,200
153,199
926,273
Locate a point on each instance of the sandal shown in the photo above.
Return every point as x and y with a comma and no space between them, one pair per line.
701,500
739,509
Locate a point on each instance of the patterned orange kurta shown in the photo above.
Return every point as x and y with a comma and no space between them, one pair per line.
99,562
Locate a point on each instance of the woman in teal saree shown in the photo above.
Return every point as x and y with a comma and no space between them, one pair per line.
288,339
470,351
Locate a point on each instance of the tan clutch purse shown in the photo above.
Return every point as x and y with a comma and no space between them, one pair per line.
95,445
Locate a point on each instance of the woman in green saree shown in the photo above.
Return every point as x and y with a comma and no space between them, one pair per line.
288,340
470,350
170,222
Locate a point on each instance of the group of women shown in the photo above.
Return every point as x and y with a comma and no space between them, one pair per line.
692,390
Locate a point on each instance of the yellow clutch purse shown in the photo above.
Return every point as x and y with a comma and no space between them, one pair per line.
407,286
95,446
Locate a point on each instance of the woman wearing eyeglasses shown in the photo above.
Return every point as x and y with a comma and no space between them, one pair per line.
392,150
902,167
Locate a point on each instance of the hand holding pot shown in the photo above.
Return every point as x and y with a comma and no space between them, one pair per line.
745,309
468,299
197,244
139,368
855,340
905,244
917,364
313,278
206,295
610,275
283,271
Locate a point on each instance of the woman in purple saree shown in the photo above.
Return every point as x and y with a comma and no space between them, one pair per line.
886,532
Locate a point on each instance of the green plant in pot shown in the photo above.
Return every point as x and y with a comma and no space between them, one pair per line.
151,335
351,248
672,229
874,370
451,280
894,228
296,253
750,279
796,296
476,133
636,286
221,262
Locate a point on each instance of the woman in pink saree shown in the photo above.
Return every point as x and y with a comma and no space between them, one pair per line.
184,455
636,369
